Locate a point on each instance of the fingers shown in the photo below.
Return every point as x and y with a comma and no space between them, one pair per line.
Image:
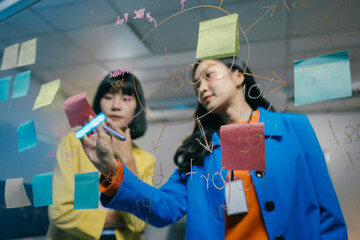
127,134
87,143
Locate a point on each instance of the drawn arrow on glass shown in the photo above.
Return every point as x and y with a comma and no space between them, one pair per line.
279,80
208,147
156,146
271,8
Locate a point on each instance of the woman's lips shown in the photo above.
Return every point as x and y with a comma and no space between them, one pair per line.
115,117
207,99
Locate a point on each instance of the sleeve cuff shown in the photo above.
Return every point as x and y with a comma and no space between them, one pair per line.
110,185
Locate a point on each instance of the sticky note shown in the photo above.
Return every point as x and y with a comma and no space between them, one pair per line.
15,194
10,57
57,103
47,94
21,84
4,88
86,190
42,189
27,53
322,78
78,110
218,38
243,146
26,134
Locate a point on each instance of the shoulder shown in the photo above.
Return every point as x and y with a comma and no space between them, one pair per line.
143,155
71,140
285,116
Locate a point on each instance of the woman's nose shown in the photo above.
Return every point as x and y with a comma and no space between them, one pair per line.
203,85
117,103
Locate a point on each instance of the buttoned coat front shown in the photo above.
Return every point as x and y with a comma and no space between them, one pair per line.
295,193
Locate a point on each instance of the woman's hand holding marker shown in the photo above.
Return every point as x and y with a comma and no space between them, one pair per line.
100,152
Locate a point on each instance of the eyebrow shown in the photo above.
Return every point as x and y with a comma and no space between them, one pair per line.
208,65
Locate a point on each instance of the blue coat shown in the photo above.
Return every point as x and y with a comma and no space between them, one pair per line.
296,196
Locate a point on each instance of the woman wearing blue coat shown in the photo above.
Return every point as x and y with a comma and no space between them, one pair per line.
295,195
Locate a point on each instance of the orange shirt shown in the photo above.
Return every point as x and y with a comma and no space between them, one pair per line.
251,224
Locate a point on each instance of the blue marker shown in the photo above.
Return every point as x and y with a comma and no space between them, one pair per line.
113,132
91,125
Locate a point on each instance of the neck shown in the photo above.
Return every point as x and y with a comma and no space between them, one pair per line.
238,112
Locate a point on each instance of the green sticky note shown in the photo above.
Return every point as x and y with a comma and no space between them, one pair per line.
21,84
42,189
322,78
218,38
86,190
26,134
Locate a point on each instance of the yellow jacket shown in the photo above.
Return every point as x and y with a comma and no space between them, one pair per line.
67,223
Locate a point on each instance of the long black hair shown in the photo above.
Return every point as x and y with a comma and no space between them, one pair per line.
124,82
190,148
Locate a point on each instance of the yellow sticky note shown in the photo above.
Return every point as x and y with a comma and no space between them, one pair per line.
57,103
47,94
27,53
218,38
10,57
15,194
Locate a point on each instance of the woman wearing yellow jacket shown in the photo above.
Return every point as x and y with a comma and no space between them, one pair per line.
119,103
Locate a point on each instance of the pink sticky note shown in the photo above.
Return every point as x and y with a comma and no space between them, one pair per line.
243,146
78,110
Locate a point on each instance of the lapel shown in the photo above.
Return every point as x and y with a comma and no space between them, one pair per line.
273,124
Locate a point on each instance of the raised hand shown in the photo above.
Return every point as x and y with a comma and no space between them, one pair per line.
124,149
98,148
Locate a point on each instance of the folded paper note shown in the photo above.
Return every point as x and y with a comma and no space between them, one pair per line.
322,78
42,189
26,134
15,194
47,94
27,53
243,146
4,88
78,110
21,84
218,38
86,190
10,57
57,103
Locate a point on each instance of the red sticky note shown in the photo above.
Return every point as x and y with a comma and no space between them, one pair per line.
243,146
78,110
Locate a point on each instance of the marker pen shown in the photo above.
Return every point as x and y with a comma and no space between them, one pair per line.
92,124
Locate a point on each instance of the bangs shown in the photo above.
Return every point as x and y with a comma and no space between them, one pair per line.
115,84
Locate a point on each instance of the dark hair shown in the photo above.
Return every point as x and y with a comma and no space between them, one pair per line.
190,148
111,85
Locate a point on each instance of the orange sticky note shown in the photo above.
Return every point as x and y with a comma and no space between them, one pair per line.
243,146
78,110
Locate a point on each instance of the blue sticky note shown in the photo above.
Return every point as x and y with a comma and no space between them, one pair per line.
4,88
26,134
322,78
21,84
86,190
42,189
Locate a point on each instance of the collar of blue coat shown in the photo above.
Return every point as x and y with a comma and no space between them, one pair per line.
273,125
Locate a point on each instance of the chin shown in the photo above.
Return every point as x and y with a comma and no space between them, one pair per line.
117,125
214,108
